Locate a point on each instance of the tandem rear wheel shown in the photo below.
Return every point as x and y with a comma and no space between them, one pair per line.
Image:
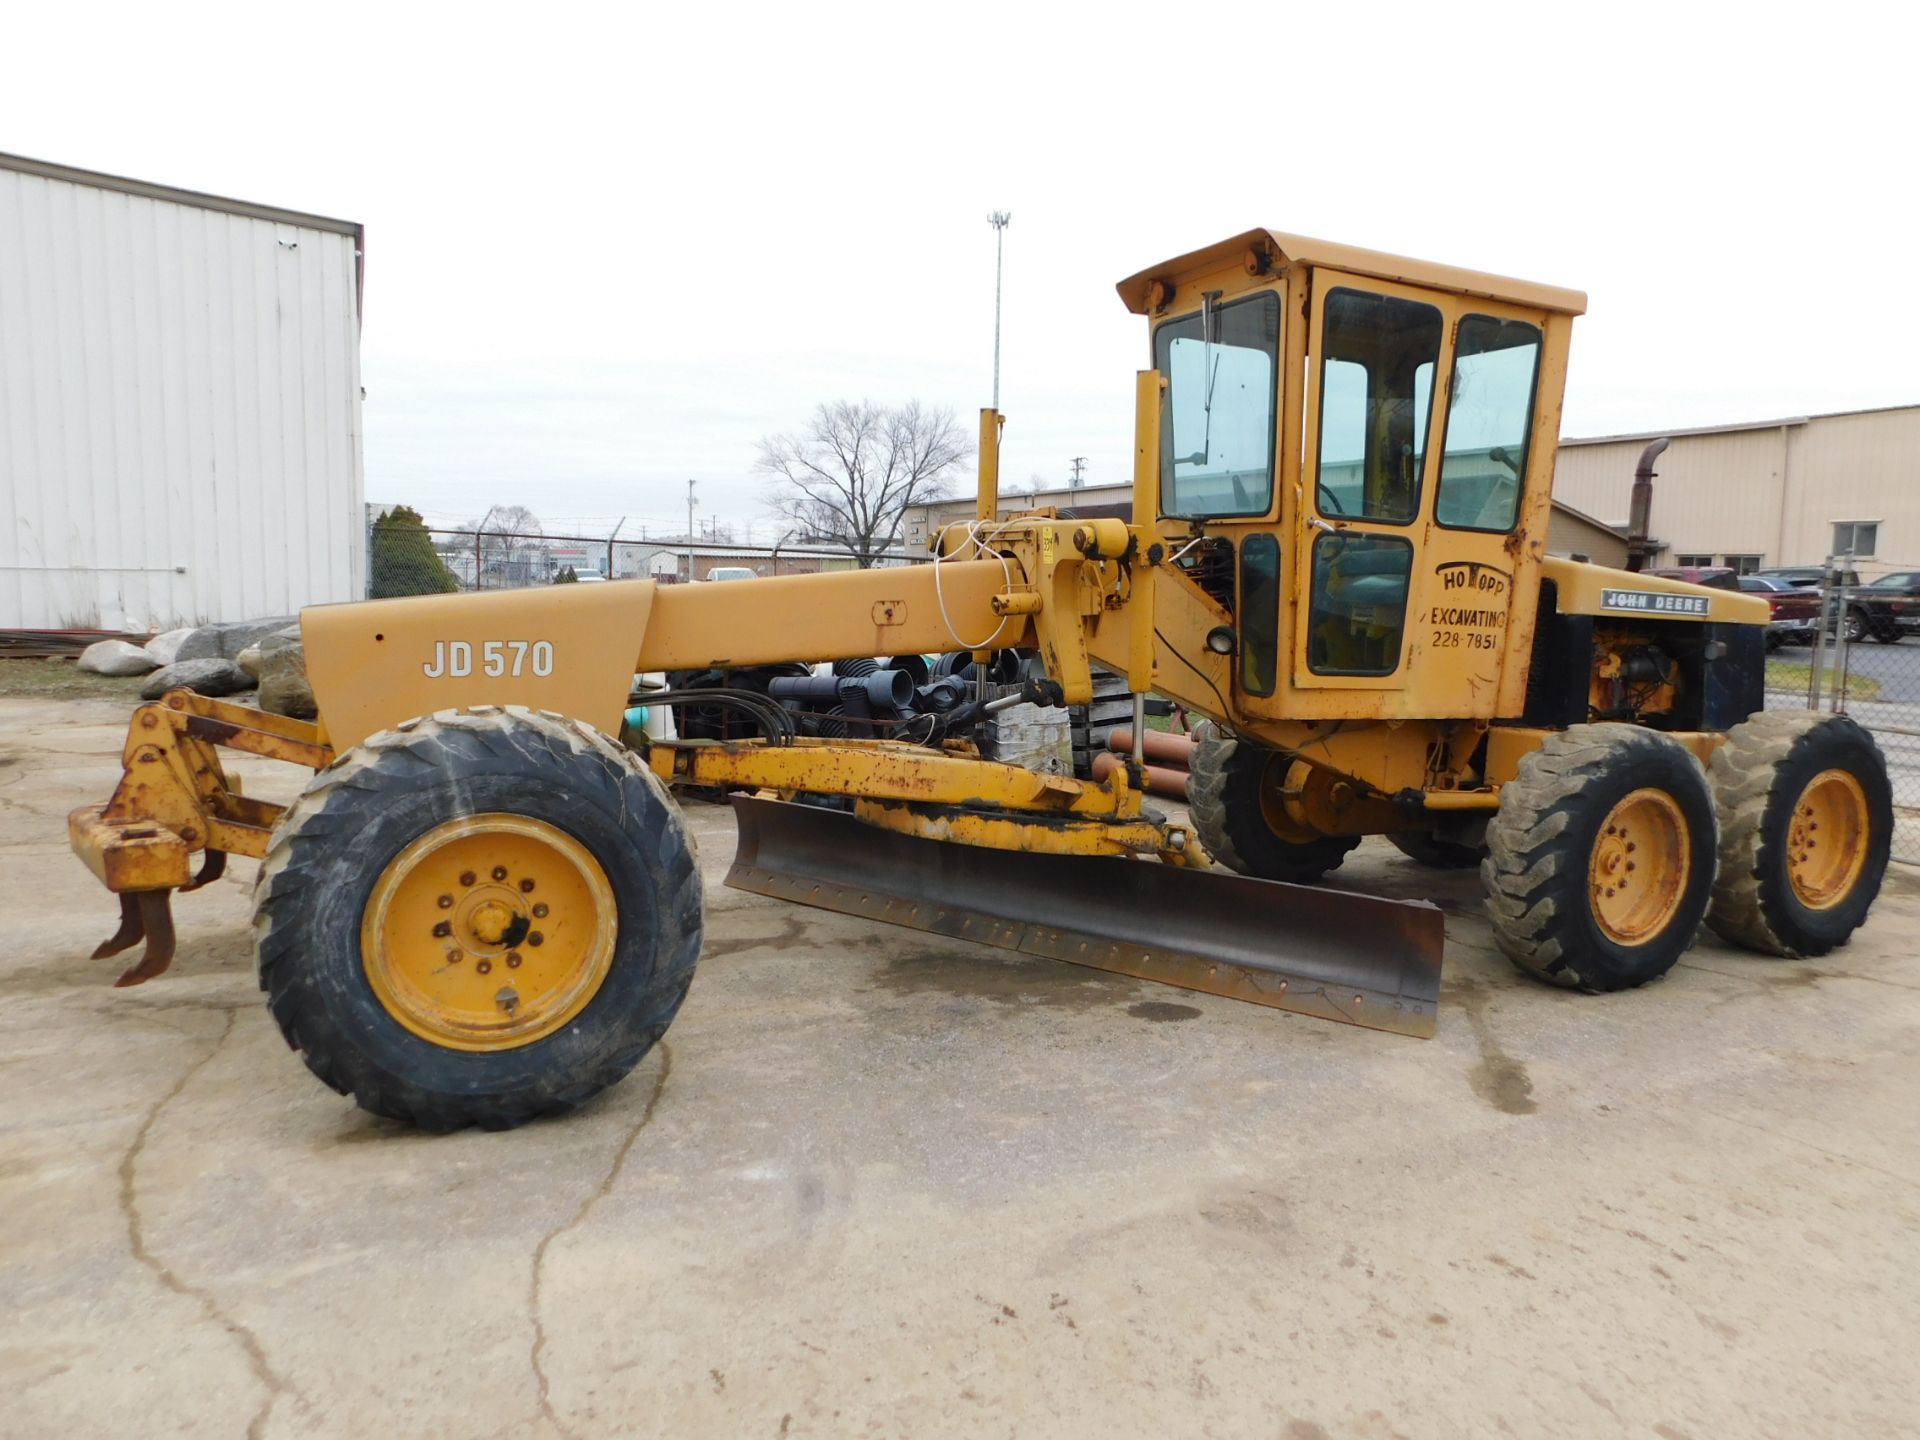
478,918
1806,822
1601,857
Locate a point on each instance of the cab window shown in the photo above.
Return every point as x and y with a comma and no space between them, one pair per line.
1483,461
1376,396
1216,439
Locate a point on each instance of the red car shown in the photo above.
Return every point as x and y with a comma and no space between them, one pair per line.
1795,610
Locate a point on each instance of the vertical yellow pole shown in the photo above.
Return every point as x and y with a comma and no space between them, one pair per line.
1149,386
990,423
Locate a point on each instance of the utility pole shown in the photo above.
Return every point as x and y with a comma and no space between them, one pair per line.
1079,470
998,220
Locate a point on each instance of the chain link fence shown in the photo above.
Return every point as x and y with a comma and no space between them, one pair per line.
405,557
1864,661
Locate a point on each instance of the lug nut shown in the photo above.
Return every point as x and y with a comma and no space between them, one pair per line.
467,877
513,960
454,955
499,872
540,911
484,966
534,937
443,929
446,902
526,886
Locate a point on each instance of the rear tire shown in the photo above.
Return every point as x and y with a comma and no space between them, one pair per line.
353,872
1436,853
1601,858
1777,892
1224,801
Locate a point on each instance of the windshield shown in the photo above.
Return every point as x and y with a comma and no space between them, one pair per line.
1216,439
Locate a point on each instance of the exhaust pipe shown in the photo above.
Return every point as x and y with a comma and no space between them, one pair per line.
1640,508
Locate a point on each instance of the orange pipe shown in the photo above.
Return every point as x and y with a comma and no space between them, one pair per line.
1161,745
1160,780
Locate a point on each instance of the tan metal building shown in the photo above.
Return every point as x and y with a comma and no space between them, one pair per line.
1772,492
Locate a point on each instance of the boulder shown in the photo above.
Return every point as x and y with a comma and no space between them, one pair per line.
206,677
249,658
226,641
116,657
282,662
165,649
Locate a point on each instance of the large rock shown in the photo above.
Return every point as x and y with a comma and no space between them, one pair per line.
116,657
249,658
206,677
226,641
165,649
282,662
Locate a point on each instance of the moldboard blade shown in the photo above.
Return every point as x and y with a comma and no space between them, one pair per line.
1302,948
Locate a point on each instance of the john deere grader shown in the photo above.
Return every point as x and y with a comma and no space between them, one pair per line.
484,906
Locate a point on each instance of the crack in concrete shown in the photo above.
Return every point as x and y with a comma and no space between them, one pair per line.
249,1343
1842,1157
578,1217
1763,983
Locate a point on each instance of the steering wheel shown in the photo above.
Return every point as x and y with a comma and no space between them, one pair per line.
1327,500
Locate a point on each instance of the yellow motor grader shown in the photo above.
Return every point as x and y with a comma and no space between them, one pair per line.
485,907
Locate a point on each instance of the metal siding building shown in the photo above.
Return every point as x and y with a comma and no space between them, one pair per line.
179,405
1774,490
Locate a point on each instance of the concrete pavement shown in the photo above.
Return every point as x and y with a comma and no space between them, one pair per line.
880,1183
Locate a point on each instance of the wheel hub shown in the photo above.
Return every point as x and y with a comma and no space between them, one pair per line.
489,932
1827,839
1637,871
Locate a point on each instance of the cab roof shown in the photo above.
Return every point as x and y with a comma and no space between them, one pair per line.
1280,250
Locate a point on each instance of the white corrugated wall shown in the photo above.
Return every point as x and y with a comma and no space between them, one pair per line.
179,411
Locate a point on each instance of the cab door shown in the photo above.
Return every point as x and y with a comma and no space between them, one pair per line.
1374,352
1420,409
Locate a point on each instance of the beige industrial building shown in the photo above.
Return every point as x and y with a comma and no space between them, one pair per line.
1772,492
1749,496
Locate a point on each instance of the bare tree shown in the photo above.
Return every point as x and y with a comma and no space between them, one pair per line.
511,545
852,473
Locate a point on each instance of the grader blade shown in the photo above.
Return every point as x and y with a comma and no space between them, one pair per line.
1325,953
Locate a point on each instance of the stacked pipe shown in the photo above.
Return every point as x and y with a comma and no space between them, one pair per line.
864,698
1169,757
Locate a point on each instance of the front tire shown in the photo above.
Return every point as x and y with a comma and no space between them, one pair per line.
478,918
1601,858
1806,822
1231,799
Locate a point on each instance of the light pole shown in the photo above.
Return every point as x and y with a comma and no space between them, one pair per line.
998,219
690,532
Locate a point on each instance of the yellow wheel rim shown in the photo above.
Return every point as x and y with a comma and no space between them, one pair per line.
489,932
1637,873
1827,839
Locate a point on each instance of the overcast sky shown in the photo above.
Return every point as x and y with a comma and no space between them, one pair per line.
611,247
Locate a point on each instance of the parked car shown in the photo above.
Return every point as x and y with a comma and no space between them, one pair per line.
1714,577
732,572
1886,609
1793,612
1804,577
